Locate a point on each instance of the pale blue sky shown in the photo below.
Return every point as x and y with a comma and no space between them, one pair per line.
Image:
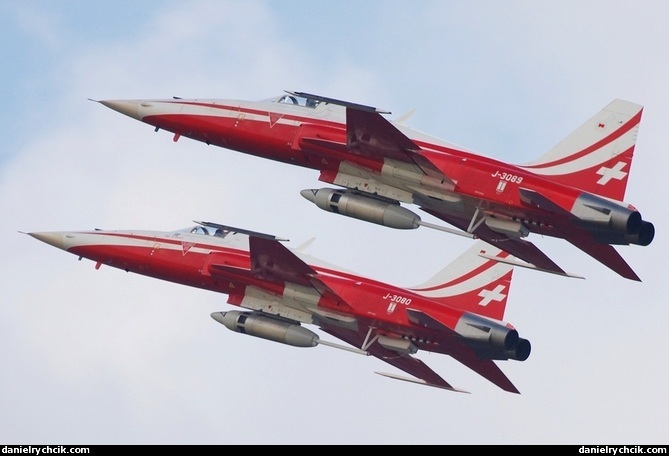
105,357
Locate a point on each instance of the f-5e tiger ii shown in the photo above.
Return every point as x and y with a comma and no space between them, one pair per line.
458,312
574,191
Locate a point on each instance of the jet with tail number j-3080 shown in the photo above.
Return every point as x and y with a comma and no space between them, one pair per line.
459,312
574,191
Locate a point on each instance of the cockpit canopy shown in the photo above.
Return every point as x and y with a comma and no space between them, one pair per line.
292,99
218,230
206,230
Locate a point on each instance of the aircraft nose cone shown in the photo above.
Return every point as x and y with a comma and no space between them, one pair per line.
54,239
128,107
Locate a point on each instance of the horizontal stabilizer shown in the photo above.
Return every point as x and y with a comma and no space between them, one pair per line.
607,255
519,248
420,382
528,266
486,368
406,363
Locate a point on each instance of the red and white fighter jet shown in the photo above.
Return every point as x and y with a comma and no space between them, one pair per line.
574,191
459,312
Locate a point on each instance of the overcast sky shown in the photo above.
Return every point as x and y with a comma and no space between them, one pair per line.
105,357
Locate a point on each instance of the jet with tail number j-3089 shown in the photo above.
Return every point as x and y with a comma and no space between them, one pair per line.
574,191
459,312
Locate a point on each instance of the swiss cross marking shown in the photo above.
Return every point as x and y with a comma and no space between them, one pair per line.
491,295
611,173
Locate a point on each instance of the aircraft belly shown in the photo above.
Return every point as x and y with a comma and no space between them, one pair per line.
396,180
153,261
253,137
467,208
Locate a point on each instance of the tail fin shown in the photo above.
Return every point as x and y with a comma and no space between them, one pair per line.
597,156
472,282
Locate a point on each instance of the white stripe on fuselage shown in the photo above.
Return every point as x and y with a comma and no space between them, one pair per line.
140,239
226,110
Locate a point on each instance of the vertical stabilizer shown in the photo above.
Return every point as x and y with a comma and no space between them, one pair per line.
597,156
472,282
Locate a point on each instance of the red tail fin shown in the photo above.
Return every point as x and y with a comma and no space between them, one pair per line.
473,283
597,156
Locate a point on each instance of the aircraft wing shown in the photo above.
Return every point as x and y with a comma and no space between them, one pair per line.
272,263
406,363
367,132
370,135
